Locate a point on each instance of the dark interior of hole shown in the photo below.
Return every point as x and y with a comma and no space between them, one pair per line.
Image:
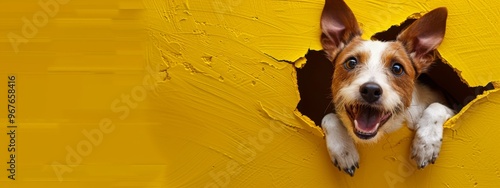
314,81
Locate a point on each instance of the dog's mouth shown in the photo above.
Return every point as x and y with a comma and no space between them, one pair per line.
367,119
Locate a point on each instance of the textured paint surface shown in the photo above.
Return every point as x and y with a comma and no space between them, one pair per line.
203,94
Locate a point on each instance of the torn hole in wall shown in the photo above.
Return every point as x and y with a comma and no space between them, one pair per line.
314,80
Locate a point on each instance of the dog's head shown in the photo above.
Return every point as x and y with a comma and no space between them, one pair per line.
373,81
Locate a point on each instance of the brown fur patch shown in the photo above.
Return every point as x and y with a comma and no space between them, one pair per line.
339,26
341,76
423,36
403,84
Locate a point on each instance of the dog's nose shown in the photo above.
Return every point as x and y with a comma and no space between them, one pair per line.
370,91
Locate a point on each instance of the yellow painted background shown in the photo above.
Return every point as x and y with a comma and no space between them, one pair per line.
193,94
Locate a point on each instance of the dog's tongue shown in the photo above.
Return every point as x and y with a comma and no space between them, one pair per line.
368,119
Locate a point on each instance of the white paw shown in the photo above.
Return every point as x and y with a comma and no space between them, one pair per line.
344,157
340,145
429,134
425,149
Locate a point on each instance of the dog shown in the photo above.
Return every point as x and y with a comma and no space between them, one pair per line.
375,87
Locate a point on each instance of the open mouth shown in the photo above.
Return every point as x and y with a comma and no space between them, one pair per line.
367,119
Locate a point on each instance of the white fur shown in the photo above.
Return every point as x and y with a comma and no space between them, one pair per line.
429,134
340,145
422,98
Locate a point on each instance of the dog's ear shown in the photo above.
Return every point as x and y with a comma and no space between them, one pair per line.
423,36
338,25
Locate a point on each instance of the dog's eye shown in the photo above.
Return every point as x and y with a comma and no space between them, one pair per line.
350,63
397,69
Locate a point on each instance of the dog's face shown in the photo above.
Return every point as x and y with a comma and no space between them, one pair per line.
373,81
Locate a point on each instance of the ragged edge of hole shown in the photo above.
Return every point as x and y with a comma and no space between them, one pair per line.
314,79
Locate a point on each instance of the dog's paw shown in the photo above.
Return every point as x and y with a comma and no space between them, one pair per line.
425,148
340,145
429,134
346,159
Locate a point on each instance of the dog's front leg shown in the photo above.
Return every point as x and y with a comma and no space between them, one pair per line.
340,145
429,134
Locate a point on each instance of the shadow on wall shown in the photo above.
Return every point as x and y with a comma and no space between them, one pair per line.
314,80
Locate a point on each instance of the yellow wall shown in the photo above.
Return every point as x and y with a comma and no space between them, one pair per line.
179,93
